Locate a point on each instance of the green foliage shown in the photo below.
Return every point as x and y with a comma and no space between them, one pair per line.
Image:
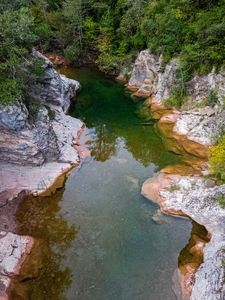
173,187
51,113
211,99
72,52
33,108
10,91
217,157
111,33
220,199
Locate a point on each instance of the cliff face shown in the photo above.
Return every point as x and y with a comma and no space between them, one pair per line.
150,77
36,152
198,122
191,130
34,141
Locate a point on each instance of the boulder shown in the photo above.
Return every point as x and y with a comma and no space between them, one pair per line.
53,87
13,117
49,134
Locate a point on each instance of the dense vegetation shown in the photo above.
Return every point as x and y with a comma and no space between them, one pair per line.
108,32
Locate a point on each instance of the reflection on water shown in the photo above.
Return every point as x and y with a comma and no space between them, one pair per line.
40,218
123,249
110,113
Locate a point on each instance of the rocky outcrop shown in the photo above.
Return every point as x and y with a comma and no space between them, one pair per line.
13,251
145,72
193,197
191,131
36,152
25,140
150,77
32,144
13,117
201,125
200,86
54,88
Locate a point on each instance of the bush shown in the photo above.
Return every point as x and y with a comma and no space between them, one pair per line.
220,199
217,157
33,108
10,91
211,99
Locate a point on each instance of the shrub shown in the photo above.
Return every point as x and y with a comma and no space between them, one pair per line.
33,108
220,199
211,99
217,157
173,187
10,91
174,101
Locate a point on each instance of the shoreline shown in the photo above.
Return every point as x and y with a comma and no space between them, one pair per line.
160,189
173,192
19,263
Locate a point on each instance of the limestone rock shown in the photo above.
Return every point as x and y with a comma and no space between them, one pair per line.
200,86
54,88
13,250
192,197
40,139
200,125
145,73
199,202
34,144
151,78
13,117
166,81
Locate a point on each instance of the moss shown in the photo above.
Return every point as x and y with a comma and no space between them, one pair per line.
220,199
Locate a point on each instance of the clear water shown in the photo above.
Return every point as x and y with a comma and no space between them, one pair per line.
102,242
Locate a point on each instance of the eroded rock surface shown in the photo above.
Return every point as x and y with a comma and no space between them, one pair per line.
13,252
193,197
55,88
201,125
150,77
36,153
36,140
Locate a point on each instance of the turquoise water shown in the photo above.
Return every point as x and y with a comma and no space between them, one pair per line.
103,240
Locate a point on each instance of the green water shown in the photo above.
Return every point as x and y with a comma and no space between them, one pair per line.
102,240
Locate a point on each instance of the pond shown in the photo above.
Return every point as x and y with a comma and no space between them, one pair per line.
103,240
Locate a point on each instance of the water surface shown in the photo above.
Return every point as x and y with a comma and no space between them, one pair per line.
103,238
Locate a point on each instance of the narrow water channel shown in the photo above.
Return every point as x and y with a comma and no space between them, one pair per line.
103,240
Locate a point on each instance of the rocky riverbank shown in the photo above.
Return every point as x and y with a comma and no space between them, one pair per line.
189,130
37,151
